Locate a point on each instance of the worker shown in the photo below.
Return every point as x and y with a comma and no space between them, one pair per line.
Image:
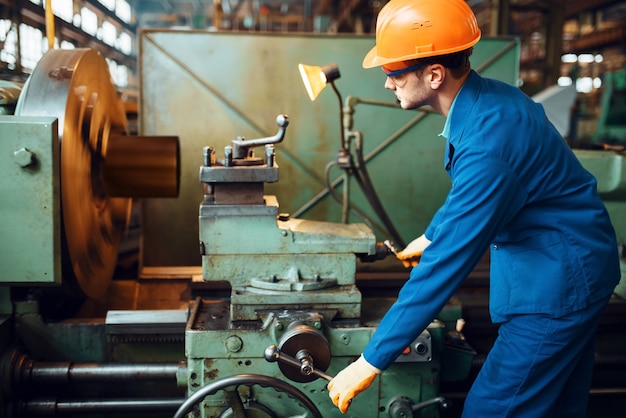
517,189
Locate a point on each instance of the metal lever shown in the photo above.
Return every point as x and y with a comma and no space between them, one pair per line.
305,363
391,247
402,406
242,146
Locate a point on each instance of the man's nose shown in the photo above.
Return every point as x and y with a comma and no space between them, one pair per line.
389,84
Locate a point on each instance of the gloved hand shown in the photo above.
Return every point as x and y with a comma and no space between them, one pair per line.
351,381
411,254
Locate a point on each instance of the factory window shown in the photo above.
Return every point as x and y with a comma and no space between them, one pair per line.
67,45
119,73
122,10
89,21
584,85
564,81
31,46
109,4
109,33
586,58
125,43
63,9
582,58
569,58
597,82
9,38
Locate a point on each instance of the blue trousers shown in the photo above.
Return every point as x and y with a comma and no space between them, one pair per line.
538,367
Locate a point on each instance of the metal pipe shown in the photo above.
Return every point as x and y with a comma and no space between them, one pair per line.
83,406
66,372
26,371
352,101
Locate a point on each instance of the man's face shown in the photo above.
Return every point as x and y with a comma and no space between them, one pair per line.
410,88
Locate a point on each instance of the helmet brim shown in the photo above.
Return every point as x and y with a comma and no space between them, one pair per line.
372,59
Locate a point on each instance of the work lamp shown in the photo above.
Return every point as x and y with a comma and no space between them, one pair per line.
315,78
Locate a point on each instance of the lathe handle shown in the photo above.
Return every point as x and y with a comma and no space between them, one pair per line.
241,146
272,354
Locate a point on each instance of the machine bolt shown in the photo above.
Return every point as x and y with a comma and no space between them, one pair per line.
279,326
208,156
269,155
228,156
23,157
234,344
345,338
317,325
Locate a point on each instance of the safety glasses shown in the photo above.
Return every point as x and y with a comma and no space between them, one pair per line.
398,77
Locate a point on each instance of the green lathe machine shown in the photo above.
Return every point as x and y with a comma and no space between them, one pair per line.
293,301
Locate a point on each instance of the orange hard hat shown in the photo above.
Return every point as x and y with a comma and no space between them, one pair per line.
411,29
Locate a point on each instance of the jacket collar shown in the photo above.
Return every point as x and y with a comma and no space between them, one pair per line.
466,97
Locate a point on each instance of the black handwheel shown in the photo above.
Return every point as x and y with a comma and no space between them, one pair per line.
246,379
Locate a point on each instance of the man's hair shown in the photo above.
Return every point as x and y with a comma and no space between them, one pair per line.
458,62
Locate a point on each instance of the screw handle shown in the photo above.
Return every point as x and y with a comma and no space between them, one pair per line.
272,354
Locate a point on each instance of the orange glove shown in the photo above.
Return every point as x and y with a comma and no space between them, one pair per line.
351,381
411,254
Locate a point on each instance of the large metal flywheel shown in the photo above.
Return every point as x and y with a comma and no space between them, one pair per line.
97,177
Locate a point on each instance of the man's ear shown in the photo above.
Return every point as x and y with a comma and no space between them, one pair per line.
437,75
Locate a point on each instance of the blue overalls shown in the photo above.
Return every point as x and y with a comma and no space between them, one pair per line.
518,189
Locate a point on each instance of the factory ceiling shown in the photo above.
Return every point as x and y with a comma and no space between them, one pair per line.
614,10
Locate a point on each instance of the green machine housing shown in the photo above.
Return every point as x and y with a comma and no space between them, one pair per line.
293,293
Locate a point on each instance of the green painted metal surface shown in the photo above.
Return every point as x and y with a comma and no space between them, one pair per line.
215,350
211,87
30,243
609,169
611,125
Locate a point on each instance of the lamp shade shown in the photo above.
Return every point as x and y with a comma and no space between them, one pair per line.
315,78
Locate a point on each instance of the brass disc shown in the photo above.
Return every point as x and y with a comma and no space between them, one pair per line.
75,87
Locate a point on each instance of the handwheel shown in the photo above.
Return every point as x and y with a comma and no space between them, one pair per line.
233,396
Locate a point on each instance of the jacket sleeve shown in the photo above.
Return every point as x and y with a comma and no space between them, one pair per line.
485,196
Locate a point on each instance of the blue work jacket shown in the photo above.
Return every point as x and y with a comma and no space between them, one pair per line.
518,189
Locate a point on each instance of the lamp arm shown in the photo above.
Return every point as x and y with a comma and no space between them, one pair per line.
341,123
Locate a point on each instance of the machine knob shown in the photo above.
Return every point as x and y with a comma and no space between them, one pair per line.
272,354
